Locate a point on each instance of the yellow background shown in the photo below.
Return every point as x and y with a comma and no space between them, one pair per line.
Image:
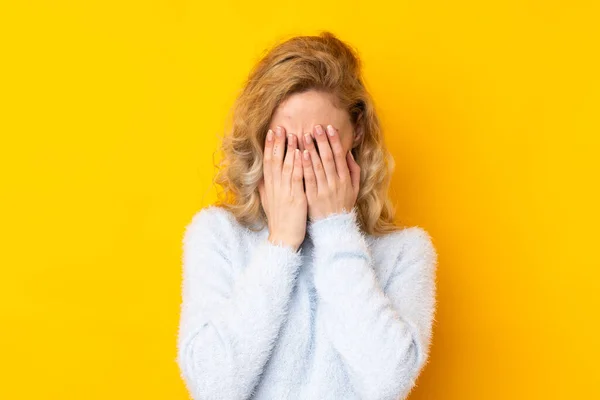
111,112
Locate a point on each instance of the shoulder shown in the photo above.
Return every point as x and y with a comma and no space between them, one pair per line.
211,215
211,222
415,239
408,245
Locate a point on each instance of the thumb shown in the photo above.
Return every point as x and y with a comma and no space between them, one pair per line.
261,192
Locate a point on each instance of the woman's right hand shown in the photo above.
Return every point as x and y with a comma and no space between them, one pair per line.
282,189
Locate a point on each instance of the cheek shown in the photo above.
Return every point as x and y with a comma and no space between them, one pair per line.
316,146
347,144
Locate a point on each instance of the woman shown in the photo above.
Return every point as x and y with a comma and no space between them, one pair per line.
297,284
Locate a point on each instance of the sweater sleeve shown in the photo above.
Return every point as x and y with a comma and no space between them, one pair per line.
381,333
229,320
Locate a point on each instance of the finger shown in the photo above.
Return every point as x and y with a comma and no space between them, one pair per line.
326,155
268,160
354,170
288,163
310,179
316,163
278,152
339,156
298,174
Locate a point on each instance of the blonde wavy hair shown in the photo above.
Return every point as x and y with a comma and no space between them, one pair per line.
295,65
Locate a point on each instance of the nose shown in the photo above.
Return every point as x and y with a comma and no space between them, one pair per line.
301,144
300,140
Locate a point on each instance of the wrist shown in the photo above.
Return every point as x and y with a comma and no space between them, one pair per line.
282,242
335,228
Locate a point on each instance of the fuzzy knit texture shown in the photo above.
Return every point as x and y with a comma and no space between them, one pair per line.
347,316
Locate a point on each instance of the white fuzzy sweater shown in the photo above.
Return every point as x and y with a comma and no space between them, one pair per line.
347,316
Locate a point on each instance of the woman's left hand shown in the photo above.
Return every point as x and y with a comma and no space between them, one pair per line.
331,179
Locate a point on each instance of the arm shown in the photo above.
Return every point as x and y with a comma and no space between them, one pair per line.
382,334
229,323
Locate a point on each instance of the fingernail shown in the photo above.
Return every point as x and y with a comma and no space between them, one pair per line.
307,138
289,138
278,131
330,130
319,130
270,135
305,154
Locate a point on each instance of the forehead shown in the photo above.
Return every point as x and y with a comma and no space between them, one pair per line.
304,110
